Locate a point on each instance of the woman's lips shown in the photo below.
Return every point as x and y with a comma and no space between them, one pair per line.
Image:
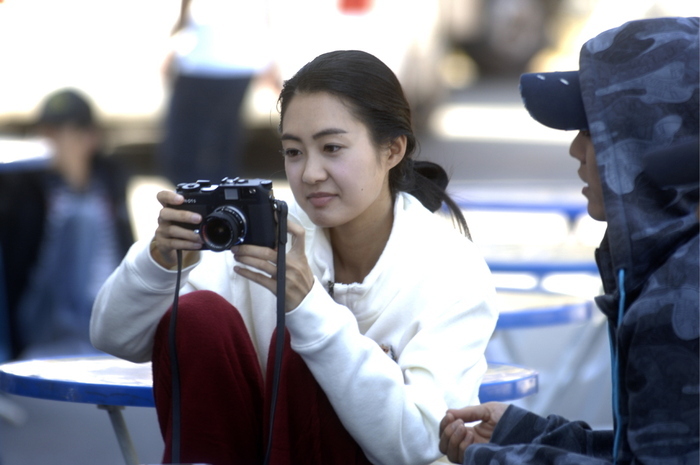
320,199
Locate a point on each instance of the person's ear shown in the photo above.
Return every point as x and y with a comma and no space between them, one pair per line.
396,151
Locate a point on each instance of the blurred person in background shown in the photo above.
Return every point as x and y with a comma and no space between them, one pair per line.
63,230
218,48
635,94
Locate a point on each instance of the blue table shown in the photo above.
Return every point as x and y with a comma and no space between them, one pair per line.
108,382
537,309
529,310
542,268
537,260
113,383
504,382
562,198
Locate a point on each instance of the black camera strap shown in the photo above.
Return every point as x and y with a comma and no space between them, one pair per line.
281,208
174,367
281,294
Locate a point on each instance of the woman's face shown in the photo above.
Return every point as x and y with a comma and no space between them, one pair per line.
582,149
337,174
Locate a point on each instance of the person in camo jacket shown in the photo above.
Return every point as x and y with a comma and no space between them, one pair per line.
635,94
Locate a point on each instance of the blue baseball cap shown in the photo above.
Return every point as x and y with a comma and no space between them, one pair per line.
554,99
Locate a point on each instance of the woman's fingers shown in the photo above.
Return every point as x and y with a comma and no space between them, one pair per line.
168,198
259,259
298,234
270,283
171,236
262,267
168,214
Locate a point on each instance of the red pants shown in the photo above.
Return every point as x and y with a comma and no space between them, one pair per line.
225,403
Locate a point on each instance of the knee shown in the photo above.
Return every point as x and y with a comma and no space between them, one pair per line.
204,313
199,301
207,326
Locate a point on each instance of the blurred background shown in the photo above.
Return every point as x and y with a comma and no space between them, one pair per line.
459,62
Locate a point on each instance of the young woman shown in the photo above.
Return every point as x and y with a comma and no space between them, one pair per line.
389,306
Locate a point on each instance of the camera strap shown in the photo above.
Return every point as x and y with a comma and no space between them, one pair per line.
281,208
174,367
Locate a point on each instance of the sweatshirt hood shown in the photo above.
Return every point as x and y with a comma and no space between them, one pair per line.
636,92
639,87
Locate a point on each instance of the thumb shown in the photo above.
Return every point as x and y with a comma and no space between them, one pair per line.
471,413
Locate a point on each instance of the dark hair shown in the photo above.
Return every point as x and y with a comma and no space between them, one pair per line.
66,106
374,95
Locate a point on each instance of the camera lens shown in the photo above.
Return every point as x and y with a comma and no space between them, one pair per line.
223,228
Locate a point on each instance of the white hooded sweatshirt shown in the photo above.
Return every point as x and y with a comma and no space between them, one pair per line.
392,353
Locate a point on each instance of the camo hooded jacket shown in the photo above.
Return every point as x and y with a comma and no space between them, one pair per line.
639,85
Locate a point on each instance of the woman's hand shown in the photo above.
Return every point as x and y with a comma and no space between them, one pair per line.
170,237
299,277
455,436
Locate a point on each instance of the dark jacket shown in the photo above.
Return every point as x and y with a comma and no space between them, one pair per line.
23,213
639,85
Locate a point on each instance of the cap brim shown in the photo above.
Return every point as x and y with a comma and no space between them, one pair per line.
554,99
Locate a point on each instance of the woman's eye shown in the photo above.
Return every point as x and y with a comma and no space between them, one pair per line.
332,148
290,152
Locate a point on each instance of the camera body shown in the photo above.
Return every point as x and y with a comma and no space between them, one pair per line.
236,211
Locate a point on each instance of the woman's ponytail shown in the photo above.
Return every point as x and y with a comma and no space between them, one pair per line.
427,181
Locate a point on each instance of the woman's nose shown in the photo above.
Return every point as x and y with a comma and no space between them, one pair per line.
313,170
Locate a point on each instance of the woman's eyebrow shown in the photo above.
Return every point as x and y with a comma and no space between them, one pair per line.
318,135
329,132
290,137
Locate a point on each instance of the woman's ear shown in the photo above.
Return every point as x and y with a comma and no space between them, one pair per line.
396,151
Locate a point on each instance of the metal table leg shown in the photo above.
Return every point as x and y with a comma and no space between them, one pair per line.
122,432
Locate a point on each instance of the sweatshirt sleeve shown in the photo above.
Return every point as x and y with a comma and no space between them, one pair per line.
131,303
393,408
522,437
